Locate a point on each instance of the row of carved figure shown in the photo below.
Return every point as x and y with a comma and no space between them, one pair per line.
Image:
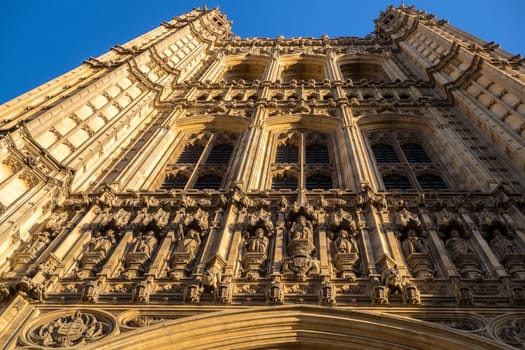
300,226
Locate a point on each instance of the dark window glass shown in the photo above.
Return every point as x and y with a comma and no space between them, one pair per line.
317,154
415,153
220,154
208,182
384,153
283,182
394,181
190,154
431,182
287,154
318,181
174,182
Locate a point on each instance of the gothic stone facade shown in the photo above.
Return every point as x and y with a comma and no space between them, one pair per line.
198,189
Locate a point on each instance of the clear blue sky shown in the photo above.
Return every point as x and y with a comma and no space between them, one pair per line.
42,39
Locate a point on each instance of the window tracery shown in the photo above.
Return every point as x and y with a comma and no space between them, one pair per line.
202,162
403,162
304,153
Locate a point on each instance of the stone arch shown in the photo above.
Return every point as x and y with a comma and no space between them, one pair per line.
302,67
367,67
247,68
422,130
292,327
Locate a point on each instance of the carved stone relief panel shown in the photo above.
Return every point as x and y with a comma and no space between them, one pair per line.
69,329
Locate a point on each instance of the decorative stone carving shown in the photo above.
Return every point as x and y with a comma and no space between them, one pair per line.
505,247
464,295
456,242
92,289
144,321
224,291
70,330
414,246
5,292
391,279
189,238
31,288
411,294
141,254
96,252
259,229
275,291
192,292
30,250
512,332
344,247
378,292
300,262
327,292
142,291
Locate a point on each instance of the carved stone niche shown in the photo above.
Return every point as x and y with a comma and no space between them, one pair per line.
456,240
413,244
68,329
142,251
259,230
39,240
344,247
503,244
98,249
190,234
299,262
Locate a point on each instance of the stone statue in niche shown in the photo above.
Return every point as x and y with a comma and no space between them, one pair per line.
257,243
190,233
344,246
457,245
413,244
146,243
259,228
141,253
97,251
456,241
301,229
300,248
505,247
187,242
30,250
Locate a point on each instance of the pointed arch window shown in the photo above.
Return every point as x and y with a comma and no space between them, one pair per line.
431,182
220,154
174,182
287,154
318,181
208,182
415,153
384,153
317,154
190,154
396,182
284,181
